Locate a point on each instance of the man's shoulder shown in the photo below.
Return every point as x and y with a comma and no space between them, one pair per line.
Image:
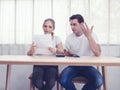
70,37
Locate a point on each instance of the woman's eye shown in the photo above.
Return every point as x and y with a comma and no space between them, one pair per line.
45,26
50,27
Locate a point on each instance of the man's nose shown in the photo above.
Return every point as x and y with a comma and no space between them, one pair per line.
72,26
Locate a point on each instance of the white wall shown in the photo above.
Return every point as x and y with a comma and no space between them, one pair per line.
20,73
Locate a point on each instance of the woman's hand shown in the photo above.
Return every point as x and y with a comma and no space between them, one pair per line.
32,49
52,50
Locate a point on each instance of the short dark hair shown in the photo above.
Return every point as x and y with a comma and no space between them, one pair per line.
78,17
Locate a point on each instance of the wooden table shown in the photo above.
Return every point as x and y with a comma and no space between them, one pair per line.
52,60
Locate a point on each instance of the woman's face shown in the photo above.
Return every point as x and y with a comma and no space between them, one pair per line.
48,27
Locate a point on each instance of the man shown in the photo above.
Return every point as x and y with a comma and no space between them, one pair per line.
82,42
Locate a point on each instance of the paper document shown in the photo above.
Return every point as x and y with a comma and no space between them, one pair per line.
43,42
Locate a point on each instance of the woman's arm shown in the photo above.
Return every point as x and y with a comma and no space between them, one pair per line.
32,50
58,50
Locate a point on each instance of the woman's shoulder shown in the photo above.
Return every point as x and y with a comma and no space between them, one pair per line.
56,37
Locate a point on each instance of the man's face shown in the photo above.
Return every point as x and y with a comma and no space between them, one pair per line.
76,27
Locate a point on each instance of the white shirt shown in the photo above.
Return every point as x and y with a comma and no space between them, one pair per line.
79,45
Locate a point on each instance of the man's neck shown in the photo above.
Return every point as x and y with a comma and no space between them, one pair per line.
79,34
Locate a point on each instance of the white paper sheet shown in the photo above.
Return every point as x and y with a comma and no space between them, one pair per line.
43,42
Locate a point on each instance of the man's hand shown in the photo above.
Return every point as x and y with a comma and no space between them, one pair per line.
67,53
87,32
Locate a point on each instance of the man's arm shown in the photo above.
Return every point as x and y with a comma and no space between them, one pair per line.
94,46
88,33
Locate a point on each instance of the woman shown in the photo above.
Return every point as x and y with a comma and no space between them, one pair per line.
44,76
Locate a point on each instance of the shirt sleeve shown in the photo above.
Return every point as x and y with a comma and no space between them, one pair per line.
67,45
